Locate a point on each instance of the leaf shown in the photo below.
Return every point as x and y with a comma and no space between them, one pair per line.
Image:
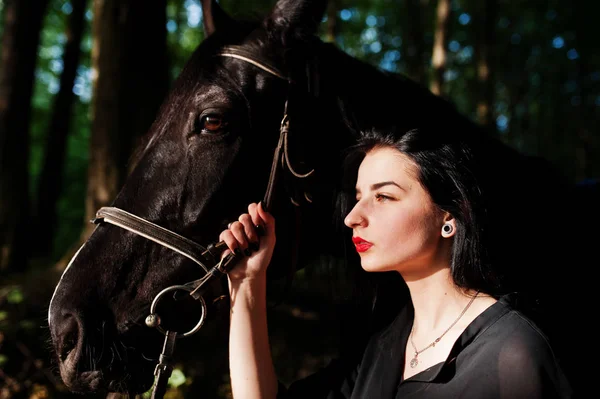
15,296
177,378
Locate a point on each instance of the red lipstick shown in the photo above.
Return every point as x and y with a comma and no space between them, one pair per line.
360,244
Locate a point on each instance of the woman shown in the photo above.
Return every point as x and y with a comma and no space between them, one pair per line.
420,212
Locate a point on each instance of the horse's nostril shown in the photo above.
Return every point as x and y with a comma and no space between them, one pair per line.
70,338
69,344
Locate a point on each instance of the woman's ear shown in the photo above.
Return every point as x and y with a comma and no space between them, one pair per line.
449,226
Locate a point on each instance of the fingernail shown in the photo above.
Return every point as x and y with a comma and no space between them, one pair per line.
247,252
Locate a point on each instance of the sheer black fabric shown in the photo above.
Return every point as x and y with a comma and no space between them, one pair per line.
501,355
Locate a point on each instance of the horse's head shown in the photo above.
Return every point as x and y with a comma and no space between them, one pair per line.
208,154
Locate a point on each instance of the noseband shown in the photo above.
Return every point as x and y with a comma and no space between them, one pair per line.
202,256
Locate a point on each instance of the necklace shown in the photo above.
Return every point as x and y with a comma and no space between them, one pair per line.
414,361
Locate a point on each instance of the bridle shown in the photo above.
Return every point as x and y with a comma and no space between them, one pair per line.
202,256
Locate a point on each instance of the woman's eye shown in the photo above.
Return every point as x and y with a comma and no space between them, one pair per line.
381,197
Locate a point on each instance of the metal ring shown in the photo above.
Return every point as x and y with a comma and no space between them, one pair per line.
183,288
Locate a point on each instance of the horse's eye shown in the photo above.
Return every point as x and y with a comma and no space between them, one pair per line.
212,123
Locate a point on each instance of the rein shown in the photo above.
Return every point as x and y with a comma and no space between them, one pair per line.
202,256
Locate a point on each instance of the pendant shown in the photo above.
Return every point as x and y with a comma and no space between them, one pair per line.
414,362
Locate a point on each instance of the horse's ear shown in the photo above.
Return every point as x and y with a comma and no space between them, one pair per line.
213,17
296,18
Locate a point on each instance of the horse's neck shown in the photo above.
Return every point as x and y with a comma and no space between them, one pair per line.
374,99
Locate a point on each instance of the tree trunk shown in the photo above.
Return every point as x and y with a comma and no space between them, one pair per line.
51,178
22,25
415,41
332,27
439,46
130,82
485,47
587,143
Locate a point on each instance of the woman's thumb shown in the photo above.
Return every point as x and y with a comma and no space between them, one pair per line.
267,218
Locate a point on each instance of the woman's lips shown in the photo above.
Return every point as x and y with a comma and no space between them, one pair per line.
361,244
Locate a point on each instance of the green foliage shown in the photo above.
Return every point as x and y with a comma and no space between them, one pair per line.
14,296
177,378
184,31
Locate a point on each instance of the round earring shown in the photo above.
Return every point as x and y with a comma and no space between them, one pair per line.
447,228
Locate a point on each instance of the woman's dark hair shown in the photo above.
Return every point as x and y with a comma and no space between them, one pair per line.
447,170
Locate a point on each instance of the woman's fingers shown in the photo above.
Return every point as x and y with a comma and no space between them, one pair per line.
250,231
231,242
267,220
238,231
242,236
256,220
260,217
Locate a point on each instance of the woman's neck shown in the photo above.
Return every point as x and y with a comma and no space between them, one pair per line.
437,301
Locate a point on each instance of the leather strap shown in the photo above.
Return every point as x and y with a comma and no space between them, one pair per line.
153,232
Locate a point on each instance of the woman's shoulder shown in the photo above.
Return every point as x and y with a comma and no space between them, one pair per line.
511,319
519,350
514,334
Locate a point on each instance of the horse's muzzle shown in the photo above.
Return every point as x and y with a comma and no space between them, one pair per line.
68,334
96,359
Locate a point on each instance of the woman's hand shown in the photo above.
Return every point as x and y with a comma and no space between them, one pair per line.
254,252
250,366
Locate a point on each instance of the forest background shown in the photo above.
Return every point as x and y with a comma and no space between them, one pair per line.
529,70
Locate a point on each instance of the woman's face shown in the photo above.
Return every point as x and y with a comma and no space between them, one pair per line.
395,224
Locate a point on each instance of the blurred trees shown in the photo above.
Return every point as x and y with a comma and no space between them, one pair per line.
22,24
522,70
51,177
80,81
438,62
484,53
413,36
130,81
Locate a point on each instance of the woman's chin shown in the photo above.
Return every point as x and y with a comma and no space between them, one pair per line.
370,265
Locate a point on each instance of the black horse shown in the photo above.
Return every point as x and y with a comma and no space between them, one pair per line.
209,153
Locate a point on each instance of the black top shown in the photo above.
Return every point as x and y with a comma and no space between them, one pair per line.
501,354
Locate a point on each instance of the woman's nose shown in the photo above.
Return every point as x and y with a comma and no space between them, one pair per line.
354,218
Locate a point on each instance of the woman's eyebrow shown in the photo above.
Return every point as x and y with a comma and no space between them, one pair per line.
376,186
386,183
